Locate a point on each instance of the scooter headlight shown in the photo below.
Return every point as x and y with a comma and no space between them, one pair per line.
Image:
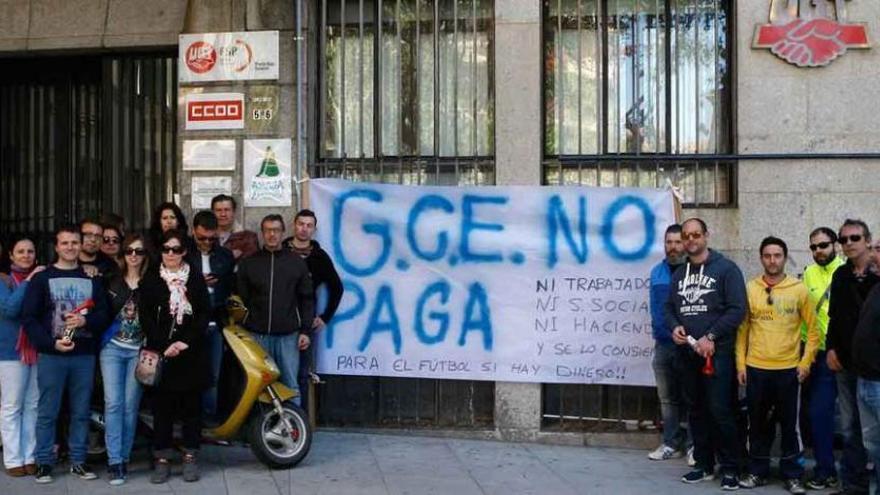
271,365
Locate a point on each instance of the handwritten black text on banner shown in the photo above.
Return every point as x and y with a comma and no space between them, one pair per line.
541,284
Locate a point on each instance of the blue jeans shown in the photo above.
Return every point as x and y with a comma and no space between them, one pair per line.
122,397
284,349
214,343
853,474
869,412
823,396
667,374
55,374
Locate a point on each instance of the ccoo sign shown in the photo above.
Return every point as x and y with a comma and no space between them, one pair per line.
212,111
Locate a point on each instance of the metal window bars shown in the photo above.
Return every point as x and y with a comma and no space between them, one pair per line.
638,92
406,91
84,135
406,97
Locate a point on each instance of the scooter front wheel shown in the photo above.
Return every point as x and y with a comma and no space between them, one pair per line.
276,445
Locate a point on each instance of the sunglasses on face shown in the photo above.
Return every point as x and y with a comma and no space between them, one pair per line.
769,295
846,239
173,249
111,240
819,245
135,252
692,236
206,238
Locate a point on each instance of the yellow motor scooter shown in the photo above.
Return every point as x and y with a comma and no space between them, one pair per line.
253,404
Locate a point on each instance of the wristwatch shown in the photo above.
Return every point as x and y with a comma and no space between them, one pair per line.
710,336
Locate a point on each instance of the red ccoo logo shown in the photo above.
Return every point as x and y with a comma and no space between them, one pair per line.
206,111
809,34
201,57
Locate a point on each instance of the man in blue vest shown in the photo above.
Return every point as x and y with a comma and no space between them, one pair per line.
666,373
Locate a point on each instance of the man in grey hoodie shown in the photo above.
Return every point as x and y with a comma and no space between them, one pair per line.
706,305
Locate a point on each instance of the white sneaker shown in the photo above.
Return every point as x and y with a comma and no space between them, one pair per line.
664,452
691,461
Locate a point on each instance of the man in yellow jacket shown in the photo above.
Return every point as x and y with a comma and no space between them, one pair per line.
769,363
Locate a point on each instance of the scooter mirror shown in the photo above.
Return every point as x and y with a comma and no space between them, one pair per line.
237,311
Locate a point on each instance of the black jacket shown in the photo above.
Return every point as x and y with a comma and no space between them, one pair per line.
277,290
708,298
223,268
189,370
118,293
323,273
106,266
866,340
846,298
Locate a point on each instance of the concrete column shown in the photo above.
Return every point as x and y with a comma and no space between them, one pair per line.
518,67
517,161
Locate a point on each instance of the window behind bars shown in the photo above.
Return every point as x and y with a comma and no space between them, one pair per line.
406,90
638,92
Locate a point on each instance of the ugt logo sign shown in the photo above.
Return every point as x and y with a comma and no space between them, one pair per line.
810,33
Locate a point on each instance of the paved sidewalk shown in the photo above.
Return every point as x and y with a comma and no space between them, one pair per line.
364,464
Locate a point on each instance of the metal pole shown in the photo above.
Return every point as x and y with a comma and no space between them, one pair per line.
300,106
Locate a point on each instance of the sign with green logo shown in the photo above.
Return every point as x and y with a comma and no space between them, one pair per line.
267,173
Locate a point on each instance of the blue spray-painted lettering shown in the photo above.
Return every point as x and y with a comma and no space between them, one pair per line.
375,323
382,229
442,318
430,202
477,302
469,225
351,289
650,221
557,219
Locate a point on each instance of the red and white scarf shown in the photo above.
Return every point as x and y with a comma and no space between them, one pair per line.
178,304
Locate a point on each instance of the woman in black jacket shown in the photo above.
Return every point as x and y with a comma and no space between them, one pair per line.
174,311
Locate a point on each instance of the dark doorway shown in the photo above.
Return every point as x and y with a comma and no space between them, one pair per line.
85,136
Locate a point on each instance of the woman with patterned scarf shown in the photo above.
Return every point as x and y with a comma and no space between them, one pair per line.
19,393
173,311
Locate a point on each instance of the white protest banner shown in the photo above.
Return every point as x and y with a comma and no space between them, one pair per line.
535,284
214,111
228,56
267,174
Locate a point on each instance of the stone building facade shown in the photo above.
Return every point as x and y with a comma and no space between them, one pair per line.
801,143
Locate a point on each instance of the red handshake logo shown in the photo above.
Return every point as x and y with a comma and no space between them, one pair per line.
810,43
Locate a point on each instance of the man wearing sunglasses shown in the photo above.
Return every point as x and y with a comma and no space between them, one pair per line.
769,363
821,387
707,303
217,266
850,286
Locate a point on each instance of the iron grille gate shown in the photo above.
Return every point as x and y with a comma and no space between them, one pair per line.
405,96
84,136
